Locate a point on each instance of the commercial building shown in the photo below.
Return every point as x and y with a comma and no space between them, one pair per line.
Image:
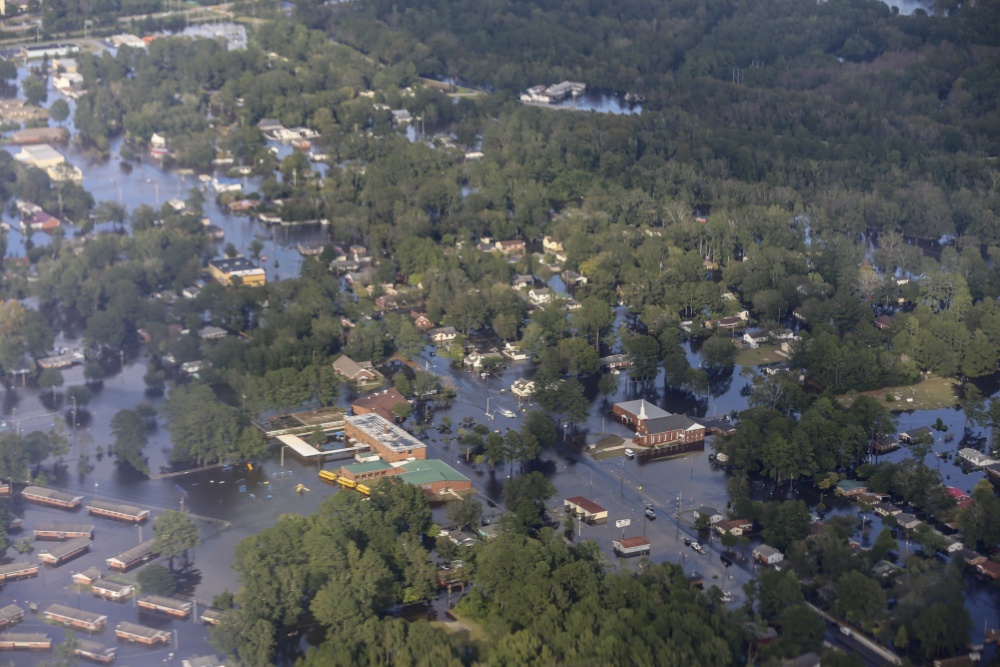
64,551
434,477
117,511
75,618
631,546
132,557
657,428
140,634
63,531
225,270
169,606
392,443
585,510
50,497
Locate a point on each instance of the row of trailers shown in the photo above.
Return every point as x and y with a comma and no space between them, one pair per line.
334,478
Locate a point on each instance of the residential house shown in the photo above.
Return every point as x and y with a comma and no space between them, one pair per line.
462,538
514,352
989,569
962,499
951,545
513,247
421,321
883,322
735,527
355,371
713,515
379,402
552,244
907,521
586,510
755,337
615,362
887,509
442,335
885,444
521,281
476,360
884,568
573,278
975,457
41,221
851,488
767,555
797,314
972,557
540,296
918,434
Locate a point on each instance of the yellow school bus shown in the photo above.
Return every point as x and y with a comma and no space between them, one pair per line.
328,475
361,488
346,483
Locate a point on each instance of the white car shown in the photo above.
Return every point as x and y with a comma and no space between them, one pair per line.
506,413
846,631
727,596
629,453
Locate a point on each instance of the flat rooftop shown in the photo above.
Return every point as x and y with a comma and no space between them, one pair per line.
117,508
387,434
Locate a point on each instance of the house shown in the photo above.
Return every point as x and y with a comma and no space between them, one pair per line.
15,571
133,632
477,360
41,221
118,511
885,444
379,402
735,527
951,545
75,618
586,510
49,160
552,244
132,557
112,590
522,388
64,551
522,280
95,651
63,531
883,322
166,605
921,434
972,557
87,577
30,641
713,515
975,457
755,337
50,497
782,334
767,555
962,499
462,538
540,296
203,661
614,362
10,615
907,521
355,371
514,352
513,247
212,333
421,321
884,568
988,569
887,509
442,335
573,278
851,488
229,270
401,116
797,314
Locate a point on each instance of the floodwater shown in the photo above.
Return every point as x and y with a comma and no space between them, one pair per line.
252,500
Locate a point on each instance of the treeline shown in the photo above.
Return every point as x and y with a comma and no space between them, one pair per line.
349,566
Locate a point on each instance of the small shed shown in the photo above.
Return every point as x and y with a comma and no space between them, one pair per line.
586,510
631,546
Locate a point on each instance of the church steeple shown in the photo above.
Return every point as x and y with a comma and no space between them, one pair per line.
642,410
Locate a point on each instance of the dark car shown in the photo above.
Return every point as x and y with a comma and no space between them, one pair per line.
687,542
726,561
650,514
433,353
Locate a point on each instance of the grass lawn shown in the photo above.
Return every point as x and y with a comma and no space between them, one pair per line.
765,354
468,630
931,393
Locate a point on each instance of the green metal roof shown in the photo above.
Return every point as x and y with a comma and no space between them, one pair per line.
442,469
370,466
422,477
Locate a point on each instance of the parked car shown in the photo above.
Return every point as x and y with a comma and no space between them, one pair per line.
629,453
650,514
727,596
846,631
687,541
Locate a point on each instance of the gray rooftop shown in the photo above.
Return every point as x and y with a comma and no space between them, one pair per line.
386,433
635,407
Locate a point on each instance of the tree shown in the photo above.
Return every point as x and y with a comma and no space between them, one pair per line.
130,431
465,514
718,355
525,496
884,545
402,411
175,534
776,591
860,598
34,90
156,580
51,378
801,631
644,356
980,357
204,430
784,522
78,395
59,111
